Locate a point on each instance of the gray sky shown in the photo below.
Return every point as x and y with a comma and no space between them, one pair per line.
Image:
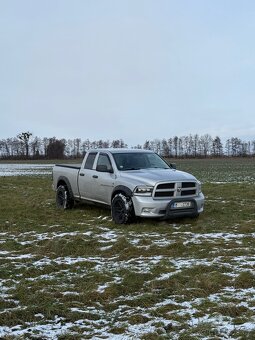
130,69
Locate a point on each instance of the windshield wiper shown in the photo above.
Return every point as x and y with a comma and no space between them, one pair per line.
132,169
157,167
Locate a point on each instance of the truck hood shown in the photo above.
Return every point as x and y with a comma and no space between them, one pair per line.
152,176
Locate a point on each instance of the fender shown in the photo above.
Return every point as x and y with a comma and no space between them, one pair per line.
122,188
64,179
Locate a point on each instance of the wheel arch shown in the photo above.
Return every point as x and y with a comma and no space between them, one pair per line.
62,180
121,189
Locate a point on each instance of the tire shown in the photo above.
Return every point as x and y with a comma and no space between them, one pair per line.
63,198
122,209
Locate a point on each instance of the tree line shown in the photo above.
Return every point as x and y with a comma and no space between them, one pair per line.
27,146
195,146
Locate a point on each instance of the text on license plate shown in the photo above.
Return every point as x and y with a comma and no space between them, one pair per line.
181,205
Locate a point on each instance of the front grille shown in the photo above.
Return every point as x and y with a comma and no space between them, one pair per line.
166,186
164,194
175,189
188,184
188,192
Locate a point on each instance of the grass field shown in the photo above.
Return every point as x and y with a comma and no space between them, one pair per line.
76,275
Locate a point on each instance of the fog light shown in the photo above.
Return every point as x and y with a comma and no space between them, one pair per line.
147,210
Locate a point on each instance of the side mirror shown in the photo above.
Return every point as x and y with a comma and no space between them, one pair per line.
173,166
103,168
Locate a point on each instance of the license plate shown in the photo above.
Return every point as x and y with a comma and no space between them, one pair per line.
177,205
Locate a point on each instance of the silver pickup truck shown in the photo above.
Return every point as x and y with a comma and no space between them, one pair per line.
132,182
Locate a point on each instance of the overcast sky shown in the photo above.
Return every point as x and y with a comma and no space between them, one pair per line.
130,69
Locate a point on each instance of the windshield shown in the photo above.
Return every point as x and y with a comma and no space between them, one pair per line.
136,161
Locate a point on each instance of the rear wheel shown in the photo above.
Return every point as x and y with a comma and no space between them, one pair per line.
122,209
63,198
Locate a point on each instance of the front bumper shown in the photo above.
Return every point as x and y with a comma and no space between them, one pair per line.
149,207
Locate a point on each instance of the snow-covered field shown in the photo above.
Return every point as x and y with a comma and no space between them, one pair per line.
25,169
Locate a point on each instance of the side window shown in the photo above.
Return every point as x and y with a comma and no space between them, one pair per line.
90,160
104,160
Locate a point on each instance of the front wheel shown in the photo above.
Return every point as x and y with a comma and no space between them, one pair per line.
122,209
63,198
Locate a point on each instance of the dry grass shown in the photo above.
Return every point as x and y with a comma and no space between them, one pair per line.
75,274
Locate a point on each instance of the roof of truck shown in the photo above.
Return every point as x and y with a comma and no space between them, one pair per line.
120,150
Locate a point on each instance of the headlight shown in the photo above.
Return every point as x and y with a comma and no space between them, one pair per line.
199,187
143,190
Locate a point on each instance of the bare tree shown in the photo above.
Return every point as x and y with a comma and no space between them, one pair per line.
118,143
175,146
236,146
24,137
165,148
36,146
217,148
146,145
170,147
206,142
253,147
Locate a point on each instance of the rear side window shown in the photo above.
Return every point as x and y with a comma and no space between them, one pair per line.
90,160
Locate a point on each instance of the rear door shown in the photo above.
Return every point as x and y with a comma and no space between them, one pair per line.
85,178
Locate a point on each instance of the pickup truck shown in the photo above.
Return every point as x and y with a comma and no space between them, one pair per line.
132,182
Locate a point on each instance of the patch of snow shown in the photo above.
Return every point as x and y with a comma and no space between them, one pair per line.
20,257
7,170
70,293
4,252
105,248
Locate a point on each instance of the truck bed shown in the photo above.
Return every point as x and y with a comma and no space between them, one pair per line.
68,172
72,166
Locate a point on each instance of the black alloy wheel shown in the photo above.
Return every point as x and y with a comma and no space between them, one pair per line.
63,198
122,209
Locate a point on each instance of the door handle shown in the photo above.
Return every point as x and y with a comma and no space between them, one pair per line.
95,176
81,174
